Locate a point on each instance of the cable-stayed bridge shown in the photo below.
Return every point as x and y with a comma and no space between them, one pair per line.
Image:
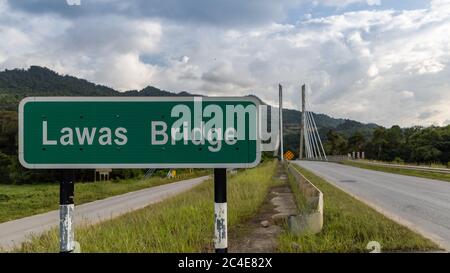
418,203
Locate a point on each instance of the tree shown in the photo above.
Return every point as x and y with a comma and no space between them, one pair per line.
426,154
394,141
8,132
378,143
356,142
5,162
444,145
424,145
336,143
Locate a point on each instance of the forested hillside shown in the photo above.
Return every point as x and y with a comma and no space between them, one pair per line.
340,136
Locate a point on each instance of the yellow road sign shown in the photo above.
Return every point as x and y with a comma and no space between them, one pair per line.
289,155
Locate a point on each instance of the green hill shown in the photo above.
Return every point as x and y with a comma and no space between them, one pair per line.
17,84
416,144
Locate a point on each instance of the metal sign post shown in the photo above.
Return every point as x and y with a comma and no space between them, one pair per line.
280,98
302,122
66,211
220,210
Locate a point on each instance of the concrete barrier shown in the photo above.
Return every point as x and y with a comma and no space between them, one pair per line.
310,220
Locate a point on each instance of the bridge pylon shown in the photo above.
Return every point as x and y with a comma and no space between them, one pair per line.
310,142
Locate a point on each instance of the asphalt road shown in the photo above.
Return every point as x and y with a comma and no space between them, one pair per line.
419,203
15,232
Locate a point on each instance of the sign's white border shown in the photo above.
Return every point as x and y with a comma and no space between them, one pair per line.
133,166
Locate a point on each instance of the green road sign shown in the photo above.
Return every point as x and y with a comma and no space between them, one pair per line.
138,132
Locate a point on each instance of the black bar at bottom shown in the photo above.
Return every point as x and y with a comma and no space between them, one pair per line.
221,250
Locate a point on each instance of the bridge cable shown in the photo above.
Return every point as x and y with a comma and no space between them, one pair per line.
305,135
310,147
313,130
320,141
311,136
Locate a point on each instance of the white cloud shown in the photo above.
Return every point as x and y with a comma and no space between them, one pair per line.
73,2
184,59
373,66
373,71
407,94
373,2
125,72
343,3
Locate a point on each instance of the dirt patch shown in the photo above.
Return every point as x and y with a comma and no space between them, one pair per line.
284,204
259,234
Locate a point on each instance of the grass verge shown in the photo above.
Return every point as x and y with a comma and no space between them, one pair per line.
183,223
300,199
423,174
17,201
349,225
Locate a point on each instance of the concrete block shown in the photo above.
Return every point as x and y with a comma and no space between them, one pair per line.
310,221
305,223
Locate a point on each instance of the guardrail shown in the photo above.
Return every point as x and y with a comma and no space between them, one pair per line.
409,167
310,220
337,158
330,158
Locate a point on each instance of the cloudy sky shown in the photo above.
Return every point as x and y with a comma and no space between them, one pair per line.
378,61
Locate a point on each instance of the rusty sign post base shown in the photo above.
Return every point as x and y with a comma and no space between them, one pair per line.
220,210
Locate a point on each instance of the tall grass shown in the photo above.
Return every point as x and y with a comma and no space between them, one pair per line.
300,199
349,225
183,223
17,201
